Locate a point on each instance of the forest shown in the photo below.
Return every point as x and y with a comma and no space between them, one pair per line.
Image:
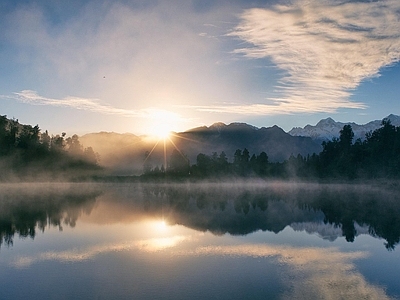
376,156
27,153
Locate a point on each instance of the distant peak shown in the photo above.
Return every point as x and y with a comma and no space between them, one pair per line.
197,129
242,125
276,128
218,125
392,117
325,122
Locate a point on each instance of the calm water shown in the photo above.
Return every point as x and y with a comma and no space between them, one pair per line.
231,241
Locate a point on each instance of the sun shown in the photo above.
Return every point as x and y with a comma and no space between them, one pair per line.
162,123
161,132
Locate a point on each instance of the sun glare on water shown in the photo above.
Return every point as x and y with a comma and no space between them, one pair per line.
160,226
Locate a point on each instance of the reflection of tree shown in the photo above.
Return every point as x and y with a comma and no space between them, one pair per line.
229,210
235,208
23,212
377,209
242,210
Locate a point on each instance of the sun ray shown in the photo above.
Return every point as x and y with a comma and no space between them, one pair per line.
169,139
165,155
155,145
184,138
177,149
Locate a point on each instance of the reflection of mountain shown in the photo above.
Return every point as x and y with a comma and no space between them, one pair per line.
325,231
240,210
24,209
329,211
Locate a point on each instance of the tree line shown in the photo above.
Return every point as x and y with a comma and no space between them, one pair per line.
26,151
377,156
25,147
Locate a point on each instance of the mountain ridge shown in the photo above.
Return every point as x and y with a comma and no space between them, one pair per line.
327,129
126,153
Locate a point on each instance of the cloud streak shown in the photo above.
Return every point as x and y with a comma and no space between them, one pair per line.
325,48
92,105
279,106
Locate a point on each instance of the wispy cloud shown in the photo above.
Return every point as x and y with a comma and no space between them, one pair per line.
326,48
279,106
92,105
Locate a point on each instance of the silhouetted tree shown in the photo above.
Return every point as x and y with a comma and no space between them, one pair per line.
237,158
73,145
27,149
178,163
223,165
90,156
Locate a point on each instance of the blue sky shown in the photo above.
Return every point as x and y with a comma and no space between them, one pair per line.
138,66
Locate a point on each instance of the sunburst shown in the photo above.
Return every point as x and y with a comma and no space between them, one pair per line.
166,138
161,132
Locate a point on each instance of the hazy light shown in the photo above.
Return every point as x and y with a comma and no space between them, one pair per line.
161,133
161,226
158,244
162,123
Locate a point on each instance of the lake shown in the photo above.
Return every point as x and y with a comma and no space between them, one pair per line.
236,240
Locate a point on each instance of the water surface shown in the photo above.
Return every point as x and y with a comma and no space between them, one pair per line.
267,240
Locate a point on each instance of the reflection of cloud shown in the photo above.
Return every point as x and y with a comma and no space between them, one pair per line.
316,273
157,244
326,48
76,255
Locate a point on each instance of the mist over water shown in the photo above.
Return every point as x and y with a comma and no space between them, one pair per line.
231,240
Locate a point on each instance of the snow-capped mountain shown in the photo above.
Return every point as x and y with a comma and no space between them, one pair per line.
326,129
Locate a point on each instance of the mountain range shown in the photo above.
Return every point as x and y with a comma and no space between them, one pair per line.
326,129
125,154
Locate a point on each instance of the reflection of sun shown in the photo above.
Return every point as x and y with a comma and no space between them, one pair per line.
158,227
161,226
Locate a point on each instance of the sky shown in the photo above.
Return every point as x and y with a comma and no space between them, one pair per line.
142,66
